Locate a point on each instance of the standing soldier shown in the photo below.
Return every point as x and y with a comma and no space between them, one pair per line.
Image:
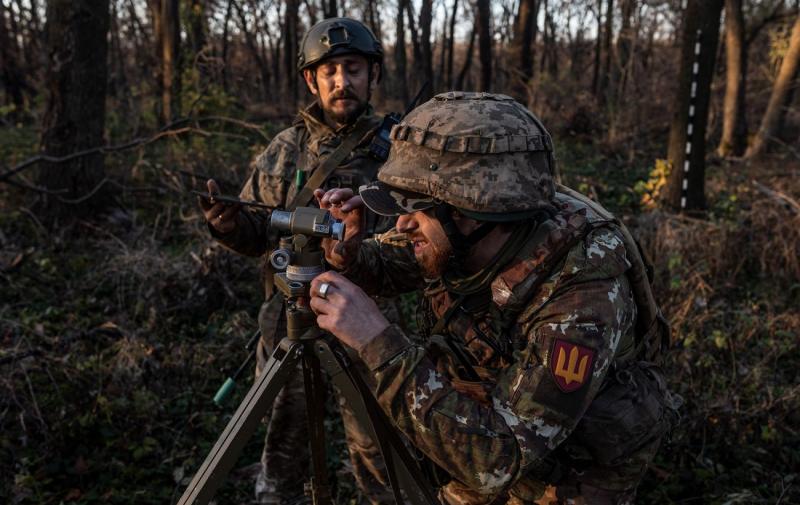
537,382
328,146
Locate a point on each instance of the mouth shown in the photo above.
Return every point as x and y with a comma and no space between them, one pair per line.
419,245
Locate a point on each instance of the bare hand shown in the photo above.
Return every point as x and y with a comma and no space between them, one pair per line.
344,205
346,311
221,216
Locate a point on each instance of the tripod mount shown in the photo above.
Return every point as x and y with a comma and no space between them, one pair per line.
297,261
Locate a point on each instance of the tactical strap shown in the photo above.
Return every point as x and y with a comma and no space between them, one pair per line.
652,328
326,168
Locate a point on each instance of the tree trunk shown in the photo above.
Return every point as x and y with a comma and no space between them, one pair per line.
197,25
485,44
440,75
74,117
734,125
417,51
624,48
597,45
329,8
522,47
425,21
290,50
608,37
467,59
779,98
225,24
10,72
170,61
685,189
450,45
400,51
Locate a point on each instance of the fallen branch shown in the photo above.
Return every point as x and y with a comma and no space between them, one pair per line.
164,132
781,197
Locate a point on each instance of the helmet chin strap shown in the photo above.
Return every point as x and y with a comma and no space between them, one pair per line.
461,243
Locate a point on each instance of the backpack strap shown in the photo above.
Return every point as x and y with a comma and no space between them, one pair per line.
362,127
652,328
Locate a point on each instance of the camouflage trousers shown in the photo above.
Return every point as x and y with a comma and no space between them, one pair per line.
285,460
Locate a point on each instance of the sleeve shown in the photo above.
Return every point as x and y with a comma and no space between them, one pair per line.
386,266
487,444
270,177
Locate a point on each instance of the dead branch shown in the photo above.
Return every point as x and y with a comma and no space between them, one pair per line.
781,197
167,131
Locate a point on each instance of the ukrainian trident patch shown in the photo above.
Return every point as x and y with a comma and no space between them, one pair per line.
571,365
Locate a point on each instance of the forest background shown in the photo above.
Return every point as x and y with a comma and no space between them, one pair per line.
117,313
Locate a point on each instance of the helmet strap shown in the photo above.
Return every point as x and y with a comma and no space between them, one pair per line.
461,243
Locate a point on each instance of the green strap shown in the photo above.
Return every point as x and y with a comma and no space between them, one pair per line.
326,168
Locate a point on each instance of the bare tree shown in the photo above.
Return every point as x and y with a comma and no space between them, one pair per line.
10,72
780,96
450,45
485,43
462,74
290,49
329,8
425,21
525,27
74,117
734,124
685,189
400,50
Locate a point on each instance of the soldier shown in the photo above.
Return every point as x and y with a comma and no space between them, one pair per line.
327,146
536,382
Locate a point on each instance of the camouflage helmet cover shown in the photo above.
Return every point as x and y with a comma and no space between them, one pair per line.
482,153
334,37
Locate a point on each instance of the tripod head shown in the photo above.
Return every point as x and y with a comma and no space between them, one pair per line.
299,258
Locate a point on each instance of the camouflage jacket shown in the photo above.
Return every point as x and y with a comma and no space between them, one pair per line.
509,434
273,179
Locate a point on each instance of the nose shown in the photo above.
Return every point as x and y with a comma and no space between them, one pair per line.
406,223
341,79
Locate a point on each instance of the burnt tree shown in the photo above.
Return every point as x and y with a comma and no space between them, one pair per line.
685,189
74,117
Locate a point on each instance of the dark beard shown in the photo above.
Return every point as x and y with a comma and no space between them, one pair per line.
348,117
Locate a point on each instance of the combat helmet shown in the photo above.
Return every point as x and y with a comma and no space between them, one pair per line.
483,154
335,37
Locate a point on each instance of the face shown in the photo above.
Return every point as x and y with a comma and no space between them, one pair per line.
343,86
431,245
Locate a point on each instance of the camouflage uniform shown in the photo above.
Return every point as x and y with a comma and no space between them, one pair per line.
535,384
273,181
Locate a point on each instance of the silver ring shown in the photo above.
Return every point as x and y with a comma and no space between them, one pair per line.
323,290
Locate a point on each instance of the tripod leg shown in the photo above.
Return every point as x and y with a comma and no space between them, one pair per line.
243,424
369,414
315,410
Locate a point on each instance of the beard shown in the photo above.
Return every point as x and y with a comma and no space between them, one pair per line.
349,114
433,260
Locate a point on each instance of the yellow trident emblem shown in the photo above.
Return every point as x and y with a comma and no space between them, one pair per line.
572,372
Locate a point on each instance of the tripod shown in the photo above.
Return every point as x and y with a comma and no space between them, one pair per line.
298,260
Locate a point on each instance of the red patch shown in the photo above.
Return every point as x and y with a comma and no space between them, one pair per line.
571,365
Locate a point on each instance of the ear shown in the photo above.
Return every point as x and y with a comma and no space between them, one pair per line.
311,81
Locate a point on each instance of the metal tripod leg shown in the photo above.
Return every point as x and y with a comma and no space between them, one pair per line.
219,462
402,469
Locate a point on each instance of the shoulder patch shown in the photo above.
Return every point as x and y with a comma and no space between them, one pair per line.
570,364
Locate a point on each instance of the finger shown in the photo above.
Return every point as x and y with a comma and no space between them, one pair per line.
353,203
214,211
229,212
213,187
318,194
320,306
316,281
340,195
